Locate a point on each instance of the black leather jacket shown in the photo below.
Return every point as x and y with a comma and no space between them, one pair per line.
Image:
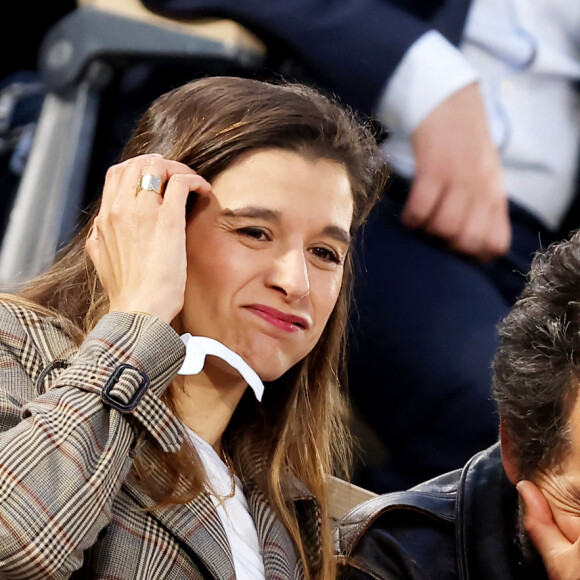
461,525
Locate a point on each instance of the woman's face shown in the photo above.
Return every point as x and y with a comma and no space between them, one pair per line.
265,257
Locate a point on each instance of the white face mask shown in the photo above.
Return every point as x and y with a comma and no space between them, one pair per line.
198,347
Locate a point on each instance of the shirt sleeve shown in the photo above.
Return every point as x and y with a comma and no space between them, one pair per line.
64,451
431,71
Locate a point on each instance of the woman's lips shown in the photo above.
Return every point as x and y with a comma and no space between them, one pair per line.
287,322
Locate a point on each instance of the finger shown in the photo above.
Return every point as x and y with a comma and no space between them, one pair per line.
486,233
134,168
155,176
539,522
176,167
150,176
448,219
121,181
179,188
499,237
424,197
470,240
123,178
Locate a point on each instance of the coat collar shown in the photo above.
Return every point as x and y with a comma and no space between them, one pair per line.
487,516
305,504
280,557
196,525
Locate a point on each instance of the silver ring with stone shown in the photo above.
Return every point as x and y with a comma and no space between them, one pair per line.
149,182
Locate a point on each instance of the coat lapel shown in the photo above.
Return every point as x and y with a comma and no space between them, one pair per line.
280,560
197,526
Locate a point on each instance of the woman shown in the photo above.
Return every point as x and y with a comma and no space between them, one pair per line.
113,463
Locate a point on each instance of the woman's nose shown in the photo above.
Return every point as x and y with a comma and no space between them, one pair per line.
290,275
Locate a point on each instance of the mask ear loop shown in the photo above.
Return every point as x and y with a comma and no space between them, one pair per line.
198,347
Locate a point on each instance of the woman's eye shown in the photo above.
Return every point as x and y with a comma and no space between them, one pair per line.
327,255
254,232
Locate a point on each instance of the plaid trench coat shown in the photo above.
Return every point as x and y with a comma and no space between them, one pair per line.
66,507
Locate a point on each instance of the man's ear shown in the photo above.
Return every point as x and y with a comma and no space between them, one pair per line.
508,457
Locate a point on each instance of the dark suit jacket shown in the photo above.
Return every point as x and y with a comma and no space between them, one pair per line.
348,46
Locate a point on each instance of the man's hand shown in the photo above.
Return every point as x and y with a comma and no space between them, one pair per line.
561,556
457,193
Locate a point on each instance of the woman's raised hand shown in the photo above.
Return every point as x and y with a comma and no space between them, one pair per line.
137,242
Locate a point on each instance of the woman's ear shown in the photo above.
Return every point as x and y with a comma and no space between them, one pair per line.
508,457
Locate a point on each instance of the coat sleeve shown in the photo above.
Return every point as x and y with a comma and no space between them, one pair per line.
64,453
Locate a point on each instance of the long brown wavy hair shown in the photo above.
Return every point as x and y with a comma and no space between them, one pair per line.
300,427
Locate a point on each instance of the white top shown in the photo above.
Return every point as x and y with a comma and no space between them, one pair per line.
233,512
526,55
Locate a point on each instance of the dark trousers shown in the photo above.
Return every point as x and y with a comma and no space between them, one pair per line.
422,341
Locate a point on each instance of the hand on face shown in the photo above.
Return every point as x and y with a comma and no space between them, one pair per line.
559,550
137,244
457,193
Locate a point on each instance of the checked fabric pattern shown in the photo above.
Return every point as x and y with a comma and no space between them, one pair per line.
66,507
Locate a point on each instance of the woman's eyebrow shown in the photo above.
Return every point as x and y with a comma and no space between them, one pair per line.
253,212
271,215
338,233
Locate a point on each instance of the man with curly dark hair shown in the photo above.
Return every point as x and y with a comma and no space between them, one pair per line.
513,511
